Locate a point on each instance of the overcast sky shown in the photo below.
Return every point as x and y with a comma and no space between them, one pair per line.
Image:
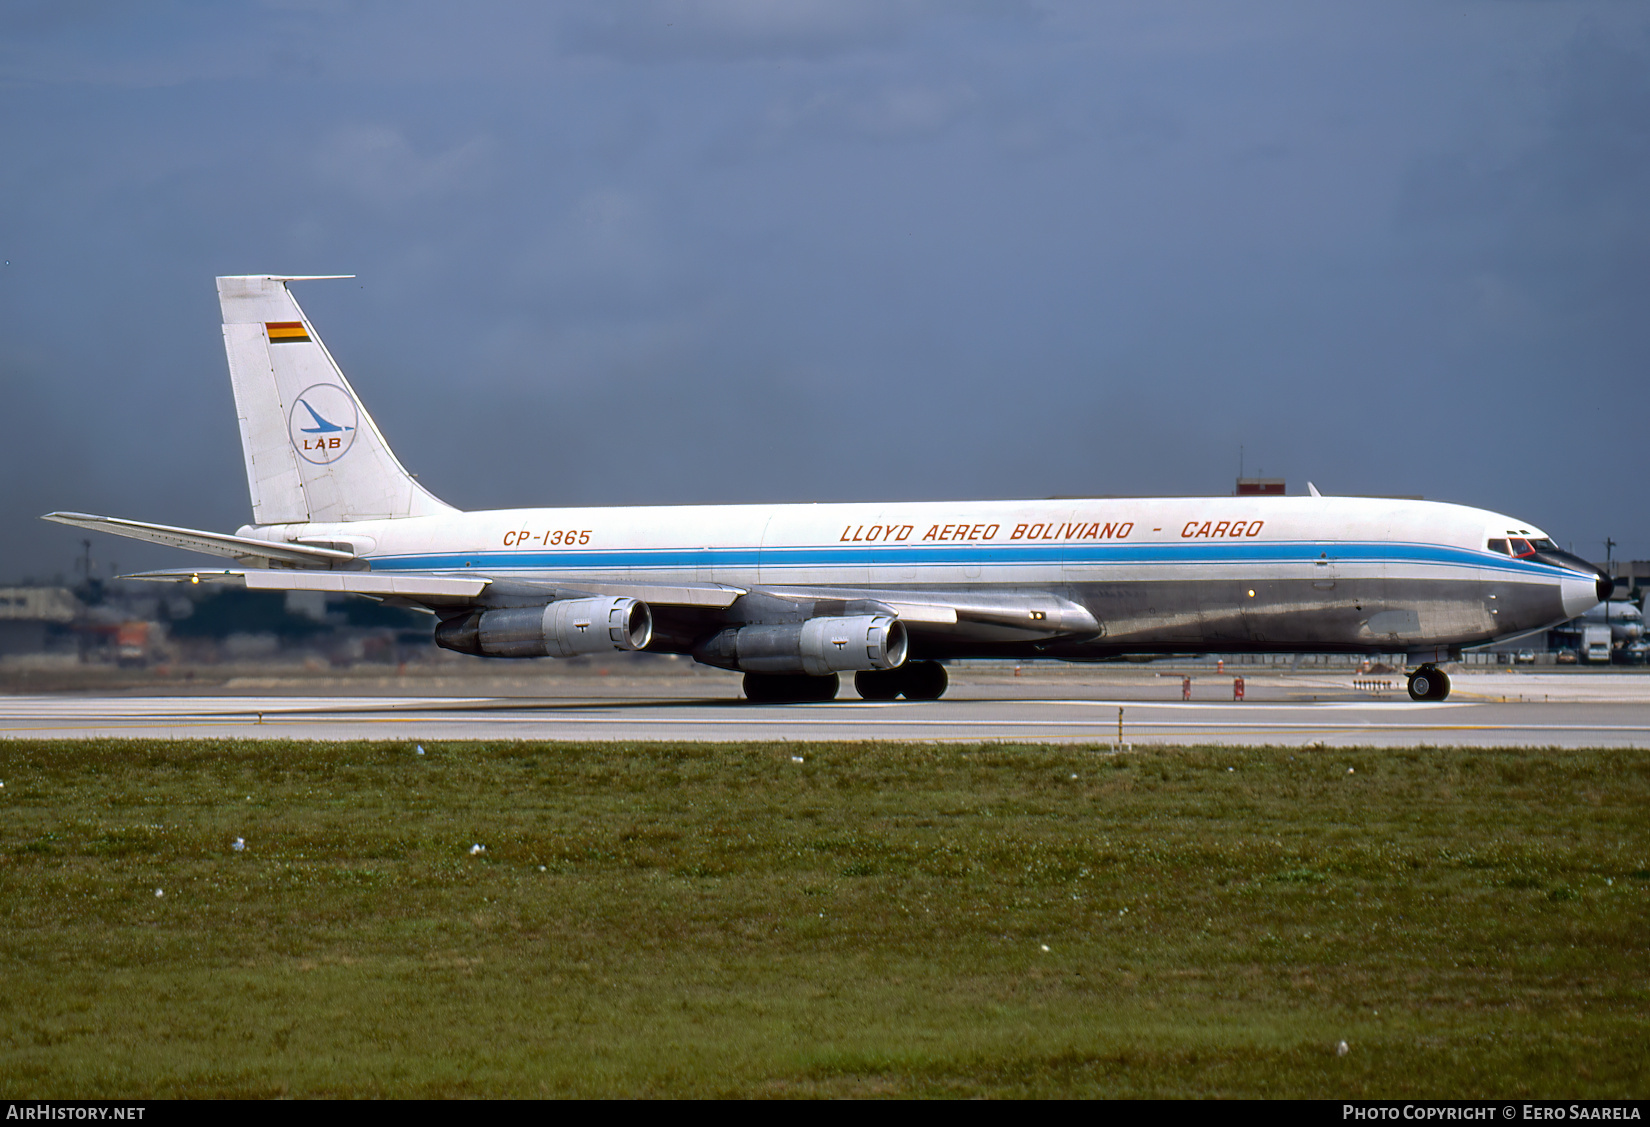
732,250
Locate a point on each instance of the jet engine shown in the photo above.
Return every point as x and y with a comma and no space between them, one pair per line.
816,646
564,628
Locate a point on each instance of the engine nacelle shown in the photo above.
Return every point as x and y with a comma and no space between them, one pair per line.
564,628
817,646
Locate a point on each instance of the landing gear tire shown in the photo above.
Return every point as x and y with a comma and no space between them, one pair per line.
924,680
1429,683
786,688
915,680
879,684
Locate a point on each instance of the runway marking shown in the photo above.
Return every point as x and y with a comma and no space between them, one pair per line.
1257,706
32,707
291,720
980,719
38,707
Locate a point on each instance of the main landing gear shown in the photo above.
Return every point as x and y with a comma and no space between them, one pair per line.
915,680
790,688
1429,683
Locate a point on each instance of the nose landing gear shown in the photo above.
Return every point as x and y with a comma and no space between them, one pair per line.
1428,683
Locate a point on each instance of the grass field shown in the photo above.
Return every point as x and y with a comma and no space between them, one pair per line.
879,919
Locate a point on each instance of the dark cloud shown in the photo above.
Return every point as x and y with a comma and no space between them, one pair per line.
802,252
654,31
1538,251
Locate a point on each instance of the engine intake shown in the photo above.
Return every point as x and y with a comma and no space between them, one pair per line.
565,628
816,646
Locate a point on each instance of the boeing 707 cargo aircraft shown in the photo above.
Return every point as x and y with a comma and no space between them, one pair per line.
794,595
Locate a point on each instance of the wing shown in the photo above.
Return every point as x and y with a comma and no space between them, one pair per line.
436,590
1027,614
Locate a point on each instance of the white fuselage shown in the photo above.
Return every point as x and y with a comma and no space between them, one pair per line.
1174,573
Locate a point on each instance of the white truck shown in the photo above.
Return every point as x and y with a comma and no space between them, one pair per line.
1595,642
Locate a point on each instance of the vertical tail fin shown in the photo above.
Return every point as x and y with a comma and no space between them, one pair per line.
312,451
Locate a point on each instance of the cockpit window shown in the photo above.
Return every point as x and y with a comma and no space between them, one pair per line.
1521,547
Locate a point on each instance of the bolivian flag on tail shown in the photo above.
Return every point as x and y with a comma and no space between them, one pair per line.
286,332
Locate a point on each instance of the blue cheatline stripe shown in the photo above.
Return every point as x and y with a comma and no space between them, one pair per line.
964,555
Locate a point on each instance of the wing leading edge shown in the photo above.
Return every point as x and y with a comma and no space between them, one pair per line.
442,589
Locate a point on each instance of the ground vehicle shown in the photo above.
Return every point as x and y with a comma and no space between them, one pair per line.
1566,657
1624,619
132,643
1524,657
1595,643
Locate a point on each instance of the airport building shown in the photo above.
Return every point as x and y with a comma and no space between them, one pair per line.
34,620
1632,578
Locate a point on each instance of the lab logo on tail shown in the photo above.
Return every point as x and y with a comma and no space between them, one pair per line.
322,423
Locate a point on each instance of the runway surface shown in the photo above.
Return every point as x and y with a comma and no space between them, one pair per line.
1575,712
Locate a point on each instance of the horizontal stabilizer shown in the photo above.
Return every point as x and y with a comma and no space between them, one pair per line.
348,582
211,543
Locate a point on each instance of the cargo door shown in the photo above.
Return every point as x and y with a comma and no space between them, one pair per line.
1325,568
